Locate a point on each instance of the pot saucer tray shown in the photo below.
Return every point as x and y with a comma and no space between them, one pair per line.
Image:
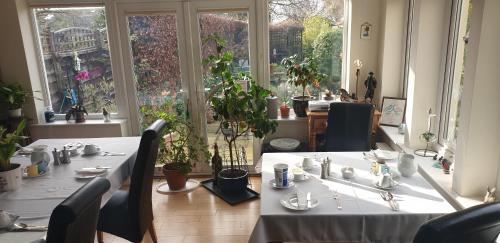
232,199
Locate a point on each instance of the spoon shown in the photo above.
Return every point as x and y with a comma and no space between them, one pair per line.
22,227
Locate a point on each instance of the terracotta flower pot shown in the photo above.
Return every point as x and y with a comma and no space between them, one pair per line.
175,179
285,111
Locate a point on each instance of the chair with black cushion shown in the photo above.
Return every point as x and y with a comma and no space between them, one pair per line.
478,224
129,214
75,219
349,127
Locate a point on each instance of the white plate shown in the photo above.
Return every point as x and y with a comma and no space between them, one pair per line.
87,171
306,177
290,201
377,185
163,188
273,184
284,144
385,154
98,150
87,176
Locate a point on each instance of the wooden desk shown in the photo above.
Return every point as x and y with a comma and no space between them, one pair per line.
317,124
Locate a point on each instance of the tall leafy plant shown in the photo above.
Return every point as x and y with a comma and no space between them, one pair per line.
302,73
14,96
236,110
8,144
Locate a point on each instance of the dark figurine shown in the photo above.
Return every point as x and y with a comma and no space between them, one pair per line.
216,163
370,84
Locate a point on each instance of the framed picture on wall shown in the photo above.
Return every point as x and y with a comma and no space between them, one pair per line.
393,111
366,31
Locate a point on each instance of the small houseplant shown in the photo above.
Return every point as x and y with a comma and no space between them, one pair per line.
237,111
10,173
180,147
285,100
78,112
302,73
14,97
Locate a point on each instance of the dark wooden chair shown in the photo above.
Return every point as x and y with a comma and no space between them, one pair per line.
128,214
75,219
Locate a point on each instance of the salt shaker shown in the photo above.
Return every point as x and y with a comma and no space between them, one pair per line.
56,154
66,159
328,164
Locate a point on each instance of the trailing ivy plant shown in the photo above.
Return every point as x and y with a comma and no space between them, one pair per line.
236,110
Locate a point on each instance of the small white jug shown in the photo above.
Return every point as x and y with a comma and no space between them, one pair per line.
407,166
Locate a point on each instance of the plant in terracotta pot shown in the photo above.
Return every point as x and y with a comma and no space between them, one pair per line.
78,112
10,173
285,101
14,97
302,73
180,147
237,112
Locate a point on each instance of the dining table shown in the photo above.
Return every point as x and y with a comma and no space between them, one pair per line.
348,210
37,197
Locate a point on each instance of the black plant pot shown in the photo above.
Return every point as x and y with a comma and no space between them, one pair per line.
300,104
232,181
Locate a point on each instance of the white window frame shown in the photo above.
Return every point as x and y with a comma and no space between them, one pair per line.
120,97
449,69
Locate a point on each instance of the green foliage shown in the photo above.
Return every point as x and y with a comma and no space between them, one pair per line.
74,110
181,146
236,109
327,49
13,95
302,73
8,144
313,27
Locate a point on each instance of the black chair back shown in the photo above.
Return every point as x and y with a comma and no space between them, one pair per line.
478,224
349,127
75,219
141,183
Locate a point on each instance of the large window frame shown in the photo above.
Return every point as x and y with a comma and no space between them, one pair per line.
454,37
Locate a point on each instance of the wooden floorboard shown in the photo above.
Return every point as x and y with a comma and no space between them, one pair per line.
200,216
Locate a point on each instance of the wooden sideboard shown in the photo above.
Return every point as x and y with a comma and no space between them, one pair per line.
317,122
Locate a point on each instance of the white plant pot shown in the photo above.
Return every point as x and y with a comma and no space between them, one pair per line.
15,113
11,180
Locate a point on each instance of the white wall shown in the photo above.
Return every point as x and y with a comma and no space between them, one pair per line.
478,141
365,50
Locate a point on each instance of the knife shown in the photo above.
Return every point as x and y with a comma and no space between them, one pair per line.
308,198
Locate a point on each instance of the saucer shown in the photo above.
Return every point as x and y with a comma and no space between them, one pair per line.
306,177
376,184
291,202
25,175
88,171
313,166
273,184
98,150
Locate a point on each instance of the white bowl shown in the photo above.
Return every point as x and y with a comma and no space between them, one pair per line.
347,172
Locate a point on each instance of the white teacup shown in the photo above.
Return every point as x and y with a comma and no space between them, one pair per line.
298,174
281,175
307,163
90,149
386,181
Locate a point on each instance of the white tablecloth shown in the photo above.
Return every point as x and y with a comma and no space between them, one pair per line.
365,216
37,197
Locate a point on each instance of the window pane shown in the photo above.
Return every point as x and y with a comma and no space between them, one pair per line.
306,28
153,40
458,74
74,43
232,27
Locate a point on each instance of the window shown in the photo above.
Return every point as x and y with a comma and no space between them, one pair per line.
76,60
455,73
306,28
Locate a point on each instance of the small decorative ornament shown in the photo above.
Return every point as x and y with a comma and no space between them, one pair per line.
106,115
490,195
366,30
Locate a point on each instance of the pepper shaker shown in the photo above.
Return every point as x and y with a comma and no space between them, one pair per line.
324,174
328,164
66,159
56,155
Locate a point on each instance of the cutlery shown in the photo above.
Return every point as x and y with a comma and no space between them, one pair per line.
308,198
394,202
112,154
336,196
22,227
389,198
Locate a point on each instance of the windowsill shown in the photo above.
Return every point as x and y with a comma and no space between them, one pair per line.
88,129
88,122
435,176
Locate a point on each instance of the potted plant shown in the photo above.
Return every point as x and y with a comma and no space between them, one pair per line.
14,96
285,101
302,74
180,147
10,173
238,112
78,112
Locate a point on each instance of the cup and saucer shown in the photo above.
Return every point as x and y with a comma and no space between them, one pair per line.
281,177
307,164
300,175
90,149
385,182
